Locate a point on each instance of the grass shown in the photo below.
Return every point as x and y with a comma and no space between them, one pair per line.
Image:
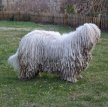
32,26
48,90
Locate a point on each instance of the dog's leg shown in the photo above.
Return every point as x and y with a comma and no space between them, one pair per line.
73,80
27,75
69,76
79,77
27,71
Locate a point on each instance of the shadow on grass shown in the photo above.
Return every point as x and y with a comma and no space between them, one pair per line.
43,80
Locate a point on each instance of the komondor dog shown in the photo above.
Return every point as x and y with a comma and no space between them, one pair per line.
48,51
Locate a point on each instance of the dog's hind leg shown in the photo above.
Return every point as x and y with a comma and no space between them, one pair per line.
27,71
27,74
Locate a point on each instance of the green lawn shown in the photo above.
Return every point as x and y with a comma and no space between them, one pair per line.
48,90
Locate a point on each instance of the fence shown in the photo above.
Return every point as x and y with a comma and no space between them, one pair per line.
64,19
76,20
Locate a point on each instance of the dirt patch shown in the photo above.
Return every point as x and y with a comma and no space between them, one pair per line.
18,29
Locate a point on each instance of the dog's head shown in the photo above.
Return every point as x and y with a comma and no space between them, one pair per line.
89,34
94,32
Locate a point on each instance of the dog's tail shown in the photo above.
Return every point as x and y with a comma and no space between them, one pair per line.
13,61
